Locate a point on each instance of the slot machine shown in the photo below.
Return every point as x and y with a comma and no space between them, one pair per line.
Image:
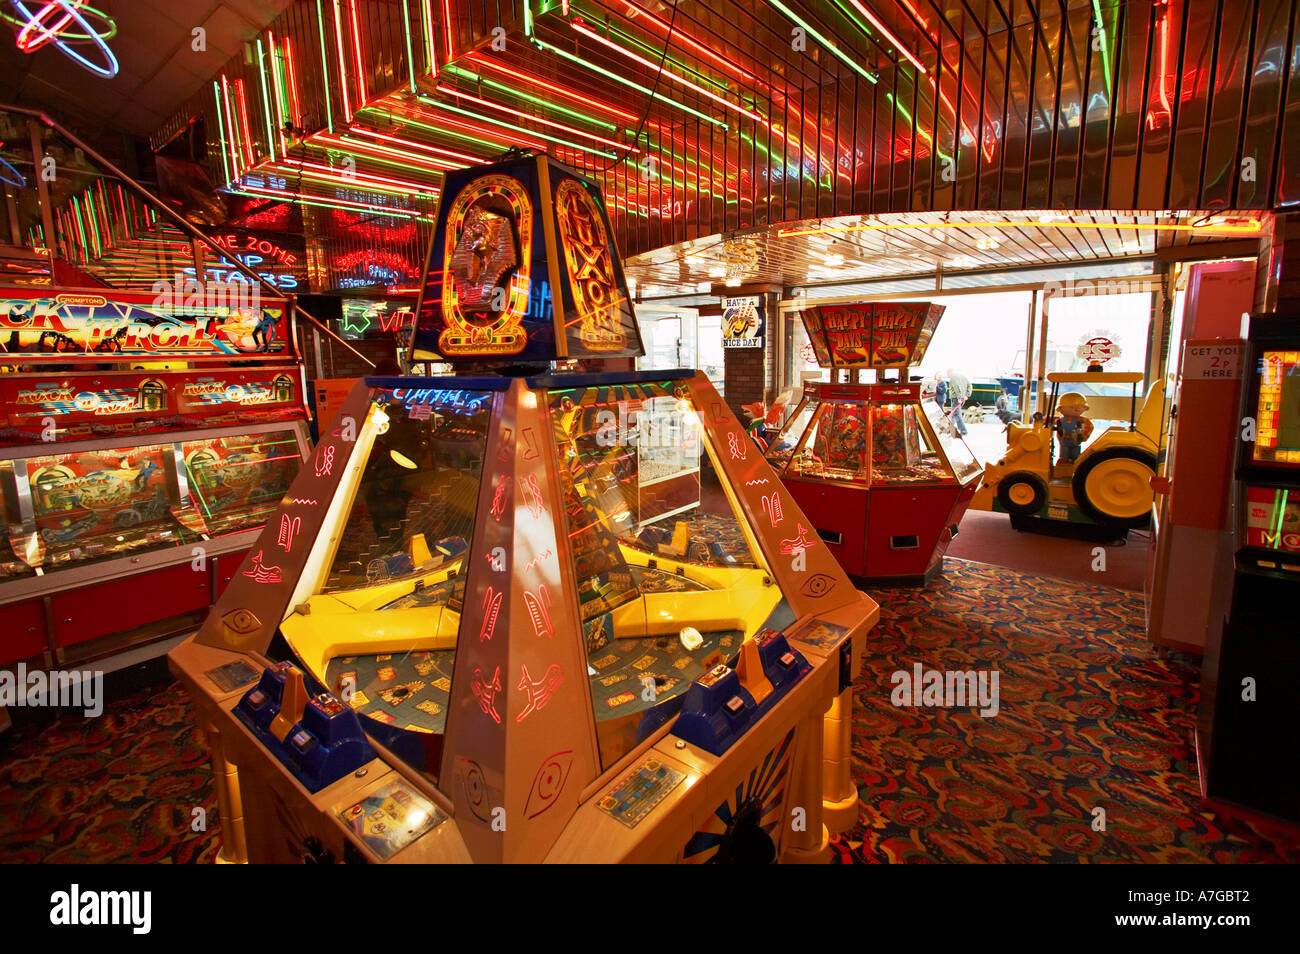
1248,749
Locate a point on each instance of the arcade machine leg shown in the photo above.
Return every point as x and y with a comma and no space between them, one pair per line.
839,794
230,805
811,845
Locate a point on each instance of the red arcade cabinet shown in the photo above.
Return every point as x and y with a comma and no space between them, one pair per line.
881,472
142,448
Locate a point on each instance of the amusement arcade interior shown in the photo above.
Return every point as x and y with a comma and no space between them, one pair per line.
649,431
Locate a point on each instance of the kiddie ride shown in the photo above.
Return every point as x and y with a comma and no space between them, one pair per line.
523,614
1099,491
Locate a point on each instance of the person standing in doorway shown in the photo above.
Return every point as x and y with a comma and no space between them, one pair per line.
959,389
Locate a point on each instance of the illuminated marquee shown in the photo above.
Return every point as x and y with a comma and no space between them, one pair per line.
488,234
591,269
95,326
876,335
523,266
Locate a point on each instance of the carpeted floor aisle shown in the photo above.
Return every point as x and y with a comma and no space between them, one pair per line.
989,538
1089,718
120,788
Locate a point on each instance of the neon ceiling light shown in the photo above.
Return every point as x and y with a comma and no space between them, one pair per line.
410,53
245,130
627,82
430,47
842,57
234,135
1251,227
511,91
537,119
1165,114
722,62
648,47
898,44
266,98
425,147
581,27
275,88
1101,35
492,133
307,199
37,31
293,82
481,60
221,132
343,68
356,53
324,66
479,137
332,175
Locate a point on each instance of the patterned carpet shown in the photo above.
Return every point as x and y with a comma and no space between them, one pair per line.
120,788
1090,717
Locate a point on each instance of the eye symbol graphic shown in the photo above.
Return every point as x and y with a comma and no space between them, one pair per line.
819,584
241,621
475,789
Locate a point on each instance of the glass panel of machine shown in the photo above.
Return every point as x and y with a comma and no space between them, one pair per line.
954,447
11,566
810,455
669,582
1277,413
783,447
233,483
381,633
840,447
94,505
901,452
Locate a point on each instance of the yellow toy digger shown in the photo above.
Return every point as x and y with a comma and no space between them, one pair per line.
1101,490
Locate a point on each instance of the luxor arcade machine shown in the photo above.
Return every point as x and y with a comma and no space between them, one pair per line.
528,615
1247,746
881,473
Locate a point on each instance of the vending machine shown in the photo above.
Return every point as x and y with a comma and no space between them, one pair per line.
1247,748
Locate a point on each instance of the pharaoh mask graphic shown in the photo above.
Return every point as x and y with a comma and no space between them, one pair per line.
485,252
486,256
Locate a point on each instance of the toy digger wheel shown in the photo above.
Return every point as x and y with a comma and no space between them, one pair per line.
1113,487
1022,492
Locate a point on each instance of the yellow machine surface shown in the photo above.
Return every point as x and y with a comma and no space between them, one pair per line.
519,633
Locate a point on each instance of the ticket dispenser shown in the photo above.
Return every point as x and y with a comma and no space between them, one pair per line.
1189,574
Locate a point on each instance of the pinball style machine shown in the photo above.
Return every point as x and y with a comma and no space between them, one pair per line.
878,468
527,615
141,449
1247,748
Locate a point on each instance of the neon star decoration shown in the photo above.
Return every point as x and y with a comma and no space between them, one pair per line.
48,24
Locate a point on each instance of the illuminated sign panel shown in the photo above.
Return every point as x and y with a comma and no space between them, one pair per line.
872,334
523,266
92,326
